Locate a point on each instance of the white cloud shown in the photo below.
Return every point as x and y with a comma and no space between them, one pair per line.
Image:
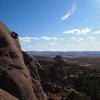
54,44
78,31
29,39
91,38
77,39
30,46
45,38
50,38
70,12
73,31
97,32
25,39
85,31
54,38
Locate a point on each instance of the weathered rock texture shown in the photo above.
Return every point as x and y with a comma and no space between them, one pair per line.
6,96
18,71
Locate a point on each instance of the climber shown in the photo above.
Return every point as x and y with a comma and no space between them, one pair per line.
14,35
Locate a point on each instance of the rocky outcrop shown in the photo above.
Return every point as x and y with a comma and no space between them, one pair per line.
18,71
6,96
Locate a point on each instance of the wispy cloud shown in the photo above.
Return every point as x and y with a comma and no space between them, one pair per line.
78,31
97,32
55,44
50,38
30,46
70,12
77,39
45,38
91,38
29,39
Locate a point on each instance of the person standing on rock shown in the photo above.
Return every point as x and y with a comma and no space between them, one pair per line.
14,35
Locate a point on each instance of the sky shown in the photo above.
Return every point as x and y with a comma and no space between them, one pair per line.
54,25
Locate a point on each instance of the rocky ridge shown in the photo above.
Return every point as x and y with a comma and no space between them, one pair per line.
19,78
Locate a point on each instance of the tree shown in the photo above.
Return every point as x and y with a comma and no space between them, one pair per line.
57,70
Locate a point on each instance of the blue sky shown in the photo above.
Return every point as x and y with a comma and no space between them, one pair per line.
54,25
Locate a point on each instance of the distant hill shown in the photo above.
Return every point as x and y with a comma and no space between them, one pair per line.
65,53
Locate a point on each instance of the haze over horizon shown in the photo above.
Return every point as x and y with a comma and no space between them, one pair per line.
54,25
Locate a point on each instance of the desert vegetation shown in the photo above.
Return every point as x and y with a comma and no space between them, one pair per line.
72,81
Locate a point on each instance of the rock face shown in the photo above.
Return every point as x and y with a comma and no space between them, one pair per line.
18,71
6,96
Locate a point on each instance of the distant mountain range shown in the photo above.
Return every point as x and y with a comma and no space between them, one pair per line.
64,53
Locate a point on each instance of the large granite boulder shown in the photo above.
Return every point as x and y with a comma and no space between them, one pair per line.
18,72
